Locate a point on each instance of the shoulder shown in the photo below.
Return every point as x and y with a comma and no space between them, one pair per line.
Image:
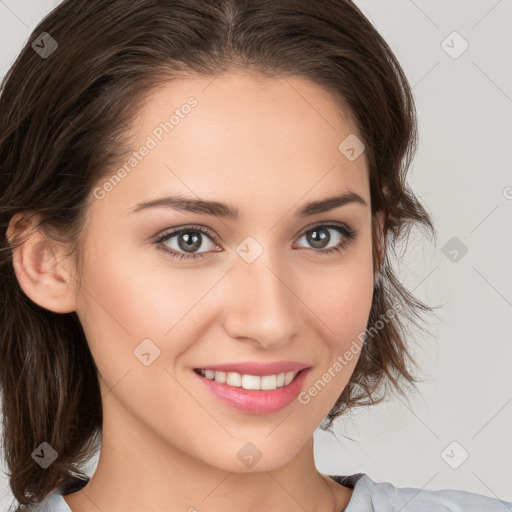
371,496
54,502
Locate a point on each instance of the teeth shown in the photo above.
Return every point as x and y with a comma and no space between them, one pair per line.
234,379
266,382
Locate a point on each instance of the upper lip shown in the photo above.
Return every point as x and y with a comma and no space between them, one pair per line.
253,368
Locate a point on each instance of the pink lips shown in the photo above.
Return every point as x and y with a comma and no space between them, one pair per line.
256,401
253,368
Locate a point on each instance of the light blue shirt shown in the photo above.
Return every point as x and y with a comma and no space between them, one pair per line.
370,496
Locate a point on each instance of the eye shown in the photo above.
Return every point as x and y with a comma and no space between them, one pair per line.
319,238
188,239
184,241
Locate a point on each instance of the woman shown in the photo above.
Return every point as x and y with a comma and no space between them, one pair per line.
198,201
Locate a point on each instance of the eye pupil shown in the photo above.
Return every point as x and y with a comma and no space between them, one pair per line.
192,242
318,237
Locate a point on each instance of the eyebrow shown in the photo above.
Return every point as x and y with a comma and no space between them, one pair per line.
223,210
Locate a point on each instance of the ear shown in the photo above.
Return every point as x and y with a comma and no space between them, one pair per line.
41,265
379,242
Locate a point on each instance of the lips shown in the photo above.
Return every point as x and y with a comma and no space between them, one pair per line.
254,368
254,401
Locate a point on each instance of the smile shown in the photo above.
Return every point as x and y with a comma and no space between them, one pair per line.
254,399
264,382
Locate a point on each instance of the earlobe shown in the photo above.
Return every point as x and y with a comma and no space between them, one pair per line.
40,267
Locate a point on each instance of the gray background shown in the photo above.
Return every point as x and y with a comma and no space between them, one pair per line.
462,174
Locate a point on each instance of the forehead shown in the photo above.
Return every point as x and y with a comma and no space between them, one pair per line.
245,139
246,101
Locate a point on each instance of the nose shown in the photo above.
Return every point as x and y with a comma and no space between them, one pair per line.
262,305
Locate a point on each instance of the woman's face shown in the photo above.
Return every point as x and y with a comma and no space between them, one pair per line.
262,288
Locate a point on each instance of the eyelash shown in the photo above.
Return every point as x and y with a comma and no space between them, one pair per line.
348,236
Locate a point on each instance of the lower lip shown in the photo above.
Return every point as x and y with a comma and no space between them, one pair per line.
256,401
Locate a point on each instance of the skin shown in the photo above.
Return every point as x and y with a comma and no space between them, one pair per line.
267,147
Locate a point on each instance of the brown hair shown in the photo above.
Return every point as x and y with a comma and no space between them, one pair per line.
64,124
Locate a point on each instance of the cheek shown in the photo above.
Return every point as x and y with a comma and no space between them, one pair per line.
120,304
128,299
341,303
342,296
